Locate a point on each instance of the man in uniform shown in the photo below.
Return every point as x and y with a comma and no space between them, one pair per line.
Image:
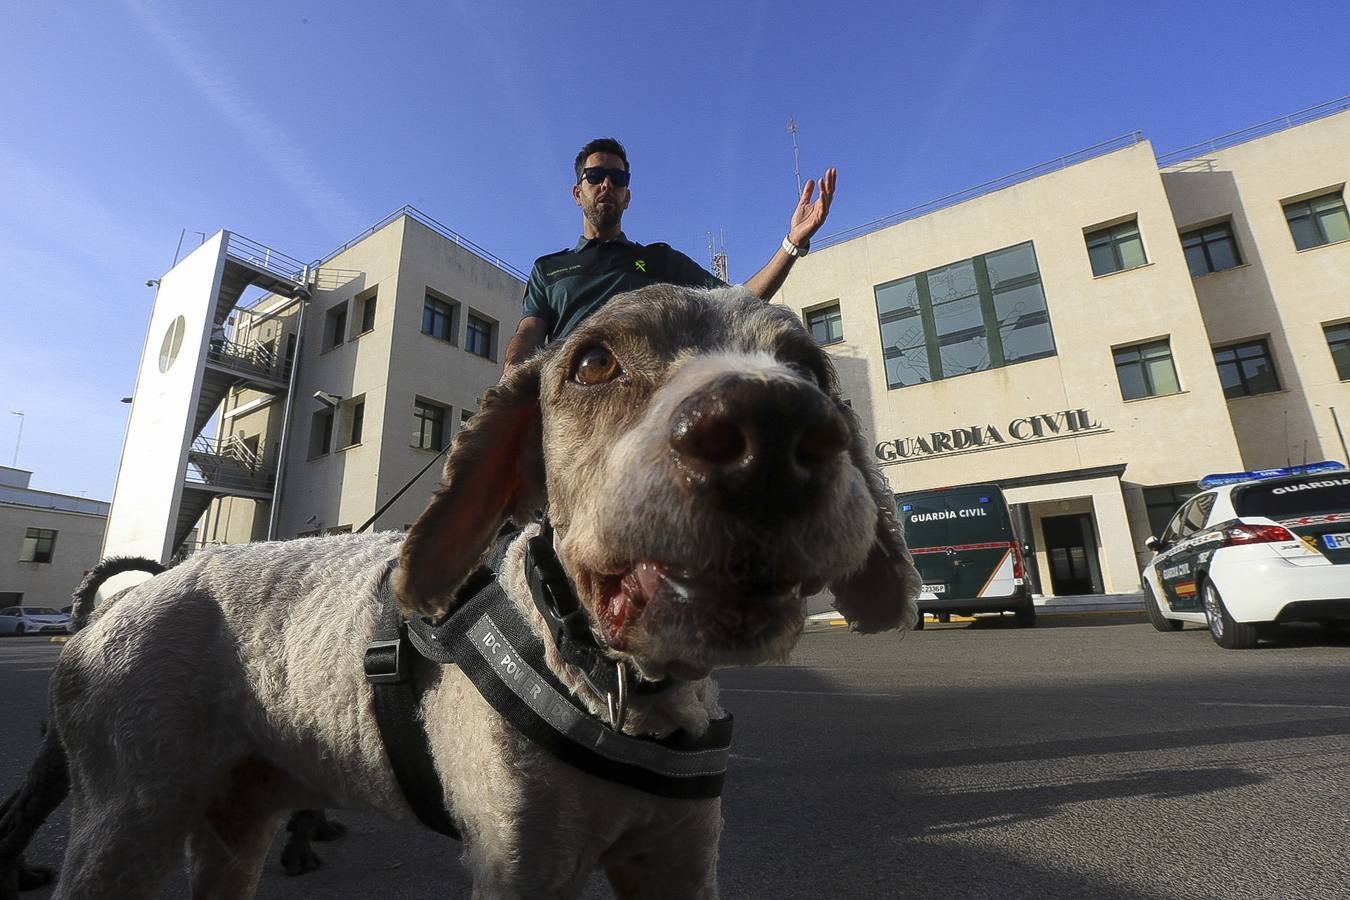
566,287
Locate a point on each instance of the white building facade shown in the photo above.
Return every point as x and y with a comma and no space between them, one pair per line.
47,541
1096,335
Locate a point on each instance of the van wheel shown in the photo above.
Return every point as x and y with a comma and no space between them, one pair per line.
1025,615
1155,613
1227,633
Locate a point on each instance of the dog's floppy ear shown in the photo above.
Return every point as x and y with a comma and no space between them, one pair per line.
495,471
881,595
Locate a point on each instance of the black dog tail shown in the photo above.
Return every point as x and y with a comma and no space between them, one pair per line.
24,811
83,597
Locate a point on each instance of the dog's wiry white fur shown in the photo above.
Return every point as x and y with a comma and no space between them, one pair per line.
211,699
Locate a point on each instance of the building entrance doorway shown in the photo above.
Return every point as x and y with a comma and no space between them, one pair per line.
1070,544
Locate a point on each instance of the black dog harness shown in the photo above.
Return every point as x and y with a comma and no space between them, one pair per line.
494,645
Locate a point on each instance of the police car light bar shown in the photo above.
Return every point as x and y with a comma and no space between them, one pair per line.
1317,468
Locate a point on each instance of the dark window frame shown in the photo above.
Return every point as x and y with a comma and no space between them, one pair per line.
43,547
1141,360
1315,220
436,310
1114,237
323,419
1205,237
1247,385
980,294
429,418
335,326
1339,347
479,330
368,311
826,316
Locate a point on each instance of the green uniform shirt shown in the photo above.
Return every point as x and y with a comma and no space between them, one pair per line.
566,287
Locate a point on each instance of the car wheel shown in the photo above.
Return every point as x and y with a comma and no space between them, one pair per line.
1025,615
20,629
1155,613
918,624
1227,633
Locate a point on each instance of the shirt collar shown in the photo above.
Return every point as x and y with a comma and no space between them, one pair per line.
585,242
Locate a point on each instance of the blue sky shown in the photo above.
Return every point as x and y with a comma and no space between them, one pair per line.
124,123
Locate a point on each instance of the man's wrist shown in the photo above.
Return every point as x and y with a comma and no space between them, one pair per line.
795,250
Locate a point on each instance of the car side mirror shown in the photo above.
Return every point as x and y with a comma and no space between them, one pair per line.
1153,544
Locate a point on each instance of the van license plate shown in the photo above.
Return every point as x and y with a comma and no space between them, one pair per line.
935,589
1339,541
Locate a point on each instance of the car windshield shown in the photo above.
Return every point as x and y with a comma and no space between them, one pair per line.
40,611
1312,496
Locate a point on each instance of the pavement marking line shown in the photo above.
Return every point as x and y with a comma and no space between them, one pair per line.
1275,705
43,669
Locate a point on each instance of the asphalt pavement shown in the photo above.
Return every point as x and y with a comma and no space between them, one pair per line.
1089,757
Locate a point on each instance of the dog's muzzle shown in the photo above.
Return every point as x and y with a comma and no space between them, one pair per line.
752,444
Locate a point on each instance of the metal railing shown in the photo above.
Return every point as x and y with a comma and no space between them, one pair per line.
979,190
449,234
1252,132
249,359
227,463
262,257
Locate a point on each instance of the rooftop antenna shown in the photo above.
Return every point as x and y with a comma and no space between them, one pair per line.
796,165
717,253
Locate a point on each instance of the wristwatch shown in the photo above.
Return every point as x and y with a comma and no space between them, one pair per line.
792,249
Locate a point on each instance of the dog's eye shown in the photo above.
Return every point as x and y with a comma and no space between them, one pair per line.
596,366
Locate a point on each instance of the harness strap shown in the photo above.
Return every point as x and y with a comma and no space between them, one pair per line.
388,665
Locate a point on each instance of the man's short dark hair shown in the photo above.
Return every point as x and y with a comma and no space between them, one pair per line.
601,145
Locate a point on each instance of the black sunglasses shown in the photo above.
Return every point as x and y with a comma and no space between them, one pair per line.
597,174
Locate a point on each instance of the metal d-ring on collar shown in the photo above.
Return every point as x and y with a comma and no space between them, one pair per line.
556,599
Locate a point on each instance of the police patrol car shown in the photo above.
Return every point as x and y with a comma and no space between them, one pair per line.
1255,548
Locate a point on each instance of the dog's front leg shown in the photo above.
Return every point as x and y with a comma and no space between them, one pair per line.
682,865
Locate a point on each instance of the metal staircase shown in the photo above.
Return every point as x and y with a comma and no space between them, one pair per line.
219,468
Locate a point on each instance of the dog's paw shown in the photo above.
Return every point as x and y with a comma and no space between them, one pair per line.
299,860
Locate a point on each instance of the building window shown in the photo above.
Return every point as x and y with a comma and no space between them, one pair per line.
826,325
428,425
1338,341
335,327
1146,370
1116,248
464,416
39,545
1210,249
1320,220
1163,502
367,305
354,416
977,314
1246,369
321,432
438,318
478,336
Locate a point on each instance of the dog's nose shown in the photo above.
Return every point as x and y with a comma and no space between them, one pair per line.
757,443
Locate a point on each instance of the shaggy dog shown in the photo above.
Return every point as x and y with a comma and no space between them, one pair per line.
701,474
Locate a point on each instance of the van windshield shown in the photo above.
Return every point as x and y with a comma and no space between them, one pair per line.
1312,496
952,518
